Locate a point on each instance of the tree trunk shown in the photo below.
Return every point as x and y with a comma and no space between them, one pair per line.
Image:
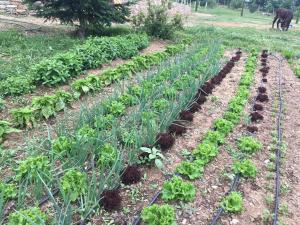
82,28
243,6
197,5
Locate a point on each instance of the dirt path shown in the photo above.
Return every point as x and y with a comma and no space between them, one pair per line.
291,131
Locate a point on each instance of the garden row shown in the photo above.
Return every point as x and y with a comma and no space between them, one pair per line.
47,106
96,154
62,67
177,188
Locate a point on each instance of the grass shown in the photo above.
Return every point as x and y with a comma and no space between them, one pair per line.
20,51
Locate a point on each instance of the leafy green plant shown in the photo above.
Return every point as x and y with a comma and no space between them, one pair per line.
24,117
62,145
115,107
233,203
177,189
32,167
190,169
8,191
206,152
159,215
214,137
107,155
232,117
170,92
223,126
5,129
249,144
104,122
127,99
246,168
44,106
86,132
152,156
28,216
73,184
160,104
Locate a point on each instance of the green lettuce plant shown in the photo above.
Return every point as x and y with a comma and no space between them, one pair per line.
8,191
177,189
223,126
246,168
249,144
107,155
190,169
159,215
233,203
206,152
28,216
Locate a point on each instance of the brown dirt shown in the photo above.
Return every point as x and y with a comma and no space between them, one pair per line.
203,119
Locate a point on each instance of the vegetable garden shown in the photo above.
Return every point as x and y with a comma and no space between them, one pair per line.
191,134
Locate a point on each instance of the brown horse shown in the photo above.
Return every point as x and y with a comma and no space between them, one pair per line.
284,16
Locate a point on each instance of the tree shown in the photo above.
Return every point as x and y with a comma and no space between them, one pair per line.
86,13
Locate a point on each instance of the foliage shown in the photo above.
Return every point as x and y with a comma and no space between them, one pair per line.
246,168
62,145
236,4
190,169
115,108
160,104
8,191
32,167
249,144
233,203
5,128
16,85
24,117
156,22
28,216
107,155
73,184
89,13
153,155
223,126
158,215
177,189
214,137
206,152
86,132
2,104
104,122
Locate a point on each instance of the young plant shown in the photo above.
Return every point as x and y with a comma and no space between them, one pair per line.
249,144
159,215
233,203
177,189
8,191
152,156
190,169
107,155
5,129
28,216
214,137
32,167
62,145
115,108
73,184
246,168
206,152
24,117
160,104
223,126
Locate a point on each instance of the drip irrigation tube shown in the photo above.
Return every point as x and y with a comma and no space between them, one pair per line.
279,142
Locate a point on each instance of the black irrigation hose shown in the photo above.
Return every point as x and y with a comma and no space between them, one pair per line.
279,142
220,210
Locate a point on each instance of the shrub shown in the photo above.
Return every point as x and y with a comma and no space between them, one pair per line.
158,215
233,203
177,189
156,23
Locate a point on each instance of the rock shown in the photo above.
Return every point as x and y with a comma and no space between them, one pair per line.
214,187
184,221
234,221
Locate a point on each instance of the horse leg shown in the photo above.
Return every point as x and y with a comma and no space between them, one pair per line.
275,18
279,22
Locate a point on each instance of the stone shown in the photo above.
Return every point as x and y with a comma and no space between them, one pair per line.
234,222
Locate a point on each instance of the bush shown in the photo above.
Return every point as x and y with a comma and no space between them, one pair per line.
156,22
211,3
236,4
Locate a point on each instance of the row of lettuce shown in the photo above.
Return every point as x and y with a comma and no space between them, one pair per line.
178,189
105,146
64,66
